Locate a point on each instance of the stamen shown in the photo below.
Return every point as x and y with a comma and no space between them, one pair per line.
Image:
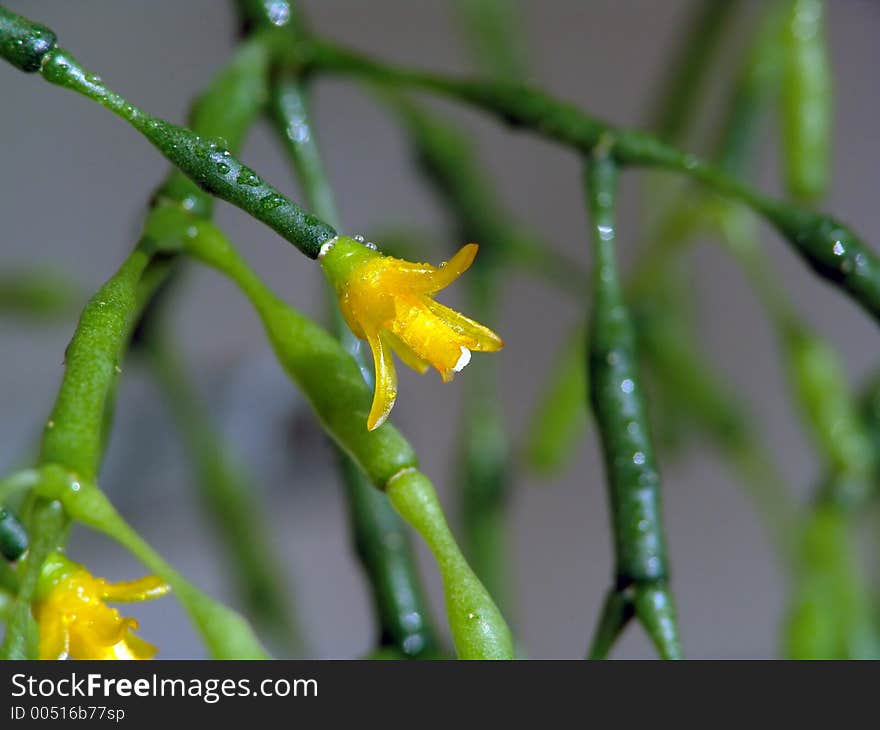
463,360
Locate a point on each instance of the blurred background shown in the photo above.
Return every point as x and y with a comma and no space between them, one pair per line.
75,185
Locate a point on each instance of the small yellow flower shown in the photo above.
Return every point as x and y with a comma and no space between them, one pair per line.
76,623
390,303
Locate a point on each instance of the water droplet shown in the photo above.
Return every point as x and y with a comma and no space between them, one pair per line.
359,239
638,458
838,249
248,177
278,12
413,644
271,201
627,386
372,246
50,424
93,78
643,525
222,168
75,486
298,132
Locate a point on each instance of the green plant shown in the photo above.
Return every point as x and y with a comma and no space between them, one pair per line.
637,344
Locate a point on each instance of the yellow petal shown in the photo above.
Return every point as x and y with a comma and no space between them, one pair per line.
54,639
142,589
385,391
406,354
134,647
453,268
426,335
475,336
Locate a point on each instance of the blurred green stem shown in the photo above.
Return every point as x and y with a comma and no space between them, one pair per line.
227,493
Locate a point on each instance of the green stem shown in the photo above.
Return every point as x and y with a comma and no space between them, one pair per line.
616,397
381,542
831,249
75,435
206,161
617,611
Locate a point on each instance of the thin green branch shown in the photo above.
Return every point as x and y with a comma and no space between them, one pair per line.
641,570
831,249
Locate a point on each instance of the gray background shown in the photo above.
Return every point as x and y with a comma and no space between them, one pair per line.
75,180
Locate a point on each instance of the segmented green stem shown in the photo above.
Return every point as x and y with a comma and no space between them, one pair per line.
641,571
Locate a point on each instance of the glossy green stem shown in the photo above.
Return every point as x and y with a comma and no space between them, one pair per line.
720,418
617,611
93,359
478,628
13,536
380,539
831,249
206,161
616,397
383,547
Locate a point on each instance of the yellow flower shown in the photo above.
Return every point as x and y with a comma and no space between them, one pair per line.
390,303
76,623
